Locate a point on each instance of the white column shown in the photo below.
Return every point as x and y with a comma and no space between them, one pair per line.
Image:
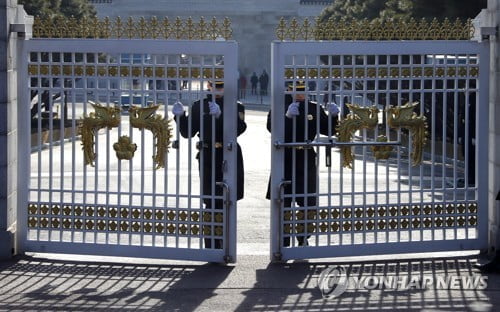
14,25
491,19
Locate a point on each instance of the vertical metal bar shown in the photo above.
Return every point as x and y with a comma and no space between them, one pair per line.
388,190
143,147
73,156
481,137
24,147
422,110
400,165
365,150
277,155
230,136
108,159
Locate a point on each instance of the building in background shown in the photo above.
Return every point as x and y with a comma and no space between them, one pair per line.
253,22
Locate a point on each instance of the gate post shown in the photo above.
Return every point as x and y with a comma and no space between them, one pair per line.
15,26
277,158
492,19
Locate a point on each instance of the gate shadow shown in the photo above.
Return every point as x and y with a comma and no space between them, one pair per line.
293,287
56,285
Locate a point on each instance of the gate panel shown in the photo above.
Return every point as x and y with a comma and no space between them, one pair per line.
423,190
109,171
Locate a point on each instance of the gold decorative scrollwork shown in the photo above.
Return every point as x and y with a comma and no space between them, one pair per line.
177,29
145,118
359,118
103,117
405,117
364,29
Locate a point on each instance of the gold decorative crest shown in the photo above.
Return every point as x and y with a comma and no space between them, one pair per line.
382,152
124,148
352,29
359,118
405,117
145,118
103,117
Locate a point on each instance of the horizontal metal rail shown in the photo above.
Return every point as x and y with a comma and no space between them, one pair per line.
331,143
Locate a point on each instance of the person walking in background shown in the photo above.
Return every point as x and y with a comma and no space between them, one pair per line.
263,81
205,115
253,81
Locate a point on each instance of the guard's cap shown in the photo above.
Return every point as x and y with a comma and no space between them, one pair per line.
299,85
218,84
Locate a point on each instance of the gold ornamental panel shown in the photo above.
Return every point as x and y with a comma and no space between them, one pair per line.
353,29
122,219
381,72
380,218
130,28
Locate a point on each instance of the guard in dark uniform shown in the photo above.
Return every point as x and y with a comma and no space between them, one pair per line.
211,112
301,125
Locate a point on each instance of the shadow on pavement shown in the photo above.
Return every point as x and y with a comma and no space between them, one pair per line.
294,287
56,285
52,285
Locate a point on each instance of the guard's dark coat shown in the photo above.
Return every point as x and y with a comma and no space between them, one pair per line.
208,140
305,159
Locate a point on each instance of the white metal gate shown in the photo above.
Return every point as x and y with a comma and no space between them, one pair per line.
102,179
349,193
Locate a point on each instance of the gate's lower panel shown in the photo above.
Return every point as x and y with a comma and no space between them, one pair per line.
116,230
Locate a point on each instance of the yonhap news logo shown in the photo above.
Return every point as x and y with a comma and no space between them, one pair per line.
334,281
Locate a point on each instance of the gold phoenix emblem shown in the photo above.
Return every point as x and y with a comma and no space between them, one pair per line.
145,118
103,117
140,118
405,117
397,117
359,118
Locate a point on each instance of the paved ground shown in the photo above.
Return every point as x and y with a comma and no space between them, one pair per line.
254,284
74,283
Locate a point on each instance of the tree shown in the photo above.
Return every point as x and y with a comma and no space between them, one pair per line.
391,9
59,8
357,9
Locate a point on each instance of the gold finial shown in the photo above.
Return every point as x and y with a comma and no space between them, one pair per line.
106,28
142,29
190,29
294,30
213,29
166,28
178,29
130,28
202,29
227,32
306,29
281,29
